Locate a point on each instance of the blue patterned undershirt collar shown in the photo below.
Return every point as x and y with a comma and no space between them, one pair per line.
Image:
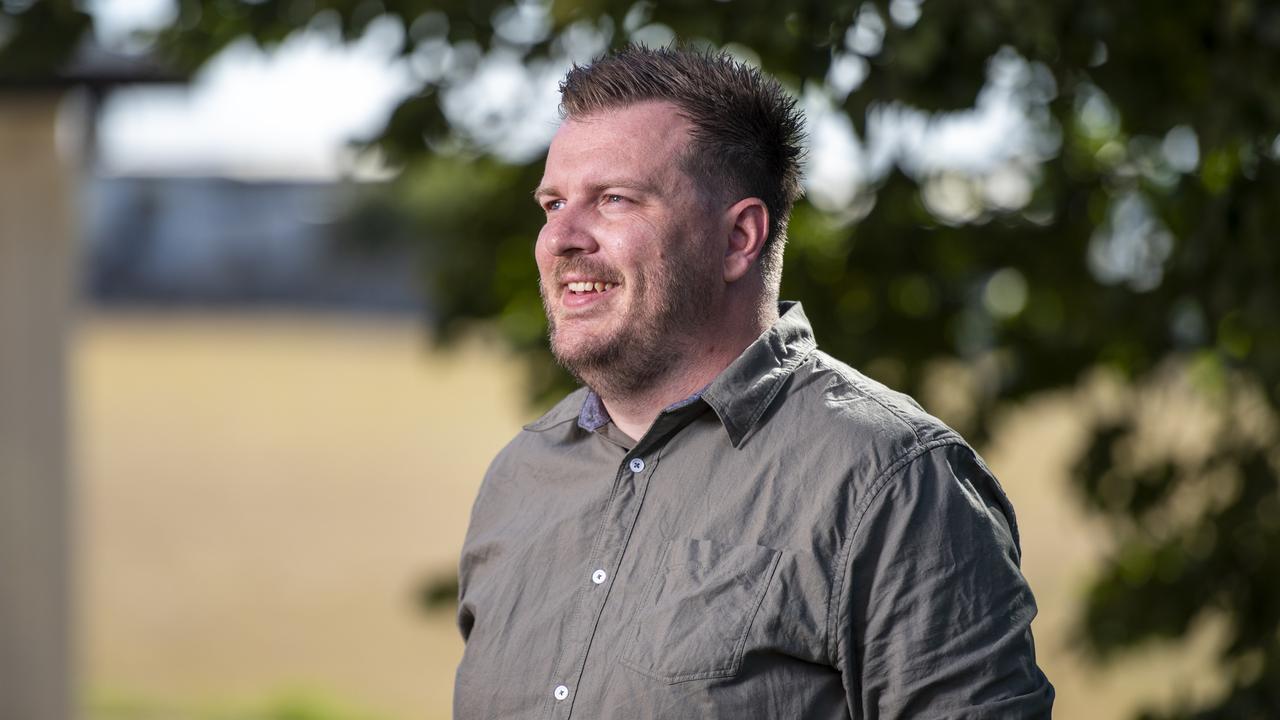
594,416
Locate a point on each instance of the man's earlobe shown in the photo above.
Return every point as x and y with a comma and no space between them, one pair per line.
748,230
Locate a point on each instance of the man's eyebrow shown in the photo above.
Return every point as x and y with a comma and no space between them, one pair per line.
632,184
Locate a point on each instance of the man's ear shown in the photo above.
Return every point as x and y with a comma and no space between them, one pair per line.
748,221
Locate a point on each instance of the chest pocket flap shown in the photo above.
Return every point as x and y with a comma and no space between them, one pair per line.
694,616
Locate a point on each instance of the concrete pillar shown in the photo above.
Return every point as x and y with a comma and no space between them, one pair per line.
37,232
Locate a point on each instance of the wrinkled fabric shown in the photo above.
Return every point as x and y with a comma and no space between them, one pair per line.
797,541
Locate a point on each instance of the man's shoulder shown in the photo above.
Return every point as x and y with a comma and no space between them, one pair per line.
859,433
563,413
851,405
569,408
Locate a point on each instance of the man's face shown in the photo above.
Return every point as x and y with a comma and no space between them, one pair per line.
628,275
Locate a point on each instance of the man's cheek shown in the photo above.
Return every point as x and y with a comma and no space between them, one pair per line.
545,263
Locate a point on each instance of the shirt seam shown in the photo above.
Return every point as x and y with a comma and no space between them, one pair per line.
843,571
885,403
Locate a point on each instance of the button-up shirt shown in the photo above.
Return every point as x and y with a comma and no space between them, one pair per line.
795,541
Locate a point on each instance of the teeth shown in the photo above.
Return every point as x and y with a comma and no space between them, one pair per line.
581,287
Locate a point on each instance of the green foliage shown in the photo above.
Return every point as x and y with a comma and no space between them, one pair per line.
1145,238
439,592
296,705
36,40
305,707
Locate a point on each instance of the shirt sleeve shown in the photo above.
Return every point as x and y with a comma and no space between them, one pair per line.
936,616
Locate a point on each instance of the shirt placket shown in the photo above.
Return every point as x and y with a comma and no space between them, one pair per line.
630,484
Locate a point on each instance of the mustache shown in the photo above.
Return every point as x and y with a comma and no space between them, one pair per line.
590,267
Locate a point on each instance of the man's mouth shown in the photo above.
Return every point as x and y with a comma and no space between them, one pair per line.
583,287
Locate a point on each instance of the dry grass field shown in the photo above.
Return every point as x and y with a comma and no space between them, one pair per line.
261,496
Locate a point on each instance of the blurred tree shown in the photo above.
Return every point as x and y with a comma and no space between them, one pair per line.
37,38
1128,224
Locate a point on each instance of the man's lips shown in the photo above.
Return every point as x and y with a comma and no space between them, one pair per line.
586,286
584,292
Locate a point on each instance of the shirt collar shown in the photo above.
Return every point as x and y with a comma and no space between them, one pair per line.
594,415
744,390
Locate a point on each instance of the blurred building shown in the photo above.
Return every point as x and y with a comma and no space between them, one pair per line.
219,241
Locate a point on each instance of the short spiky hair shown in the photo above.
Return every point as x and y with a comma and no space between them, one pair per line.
747,132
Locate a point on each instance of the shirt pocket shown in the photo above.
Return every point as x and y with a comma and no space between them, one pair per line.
695,614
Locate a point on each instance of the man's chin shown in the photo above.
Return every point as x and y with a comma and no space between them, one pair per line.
584,336
579,357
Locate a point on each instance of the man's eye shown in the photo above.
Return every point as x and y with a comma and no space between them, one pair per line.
553,205
613,198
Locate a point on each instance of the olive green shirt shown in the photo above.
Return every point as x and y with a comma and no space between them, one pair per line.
796,541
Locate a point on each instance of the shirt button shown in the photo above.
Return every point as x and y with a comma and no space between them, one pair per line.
599,576
637,465
561,692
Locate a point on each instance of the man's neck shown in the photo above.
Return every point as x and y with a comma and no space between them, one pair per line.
700,363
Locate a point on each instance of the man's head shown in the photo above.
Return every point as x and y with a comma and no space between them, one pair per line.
746,131
666,192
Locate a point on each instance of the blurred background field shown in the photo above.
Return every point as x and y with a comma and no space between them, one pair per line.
268,308
263,497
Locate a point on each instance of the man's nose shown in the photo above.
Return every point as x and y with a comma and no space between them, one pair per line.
569,232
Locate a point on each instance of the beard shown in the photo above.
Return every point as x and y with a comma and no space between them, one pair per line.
643,341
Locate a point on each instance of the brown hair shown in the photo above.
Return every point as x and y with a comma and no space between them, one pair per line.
747,132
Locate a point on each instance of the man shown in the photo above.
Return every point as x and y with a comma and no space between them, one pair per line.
724,522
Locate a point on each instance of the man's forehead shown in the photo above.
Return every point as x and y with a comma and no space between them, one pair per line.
655,124
647,138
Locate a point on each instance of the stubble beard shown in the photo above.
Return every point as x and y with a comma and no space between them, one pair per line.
650,341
